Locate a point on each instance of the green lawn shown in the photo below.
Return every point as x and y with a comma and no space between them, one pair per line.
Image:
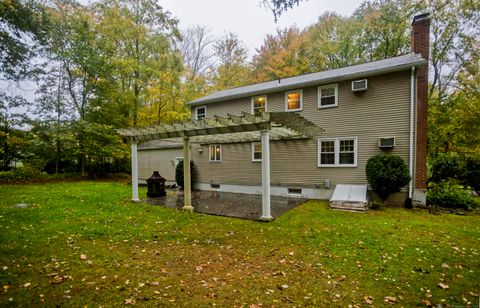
311,256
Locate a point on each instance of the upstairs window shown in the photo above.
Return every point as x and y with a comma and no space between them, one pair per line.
294,100
337,152
256,151
200,112
259,105
215,152
328,96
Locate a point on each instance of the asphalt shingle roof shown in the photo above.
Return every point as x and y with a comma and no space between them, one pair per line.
350,72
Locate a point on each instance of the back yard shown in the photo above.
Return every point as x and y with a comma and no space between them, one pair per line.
83,243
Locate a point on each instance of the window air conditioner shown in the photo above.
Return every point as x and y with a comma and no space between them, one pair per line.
386,142
359,85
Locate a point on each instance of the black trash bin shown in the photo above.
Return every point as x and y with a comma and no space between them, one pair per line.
156,186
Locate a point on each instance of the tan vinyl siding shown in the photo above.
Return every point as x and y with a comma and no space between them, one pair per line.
381,111
161,160
222,109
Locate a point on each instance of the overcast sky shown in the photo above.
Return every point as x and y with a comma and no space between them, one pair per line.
247,19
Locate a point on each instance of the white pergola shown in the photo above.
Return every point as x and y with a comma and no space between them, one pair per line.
232,128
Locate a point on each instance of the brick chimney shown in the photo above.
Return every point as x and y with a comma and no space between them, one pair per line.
421,45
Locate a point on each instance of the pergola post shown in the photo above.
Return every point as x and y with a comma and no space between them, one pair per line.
134,173
266,215
187,182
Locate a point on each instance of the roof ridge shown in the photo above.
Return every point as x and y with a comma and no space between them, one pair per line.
377,65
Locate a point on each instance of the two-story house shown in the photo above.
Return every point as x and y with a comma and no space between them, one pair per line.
363,110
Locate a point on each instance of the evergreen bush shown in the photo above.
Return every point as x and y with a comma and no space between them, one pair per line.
387,174
179,173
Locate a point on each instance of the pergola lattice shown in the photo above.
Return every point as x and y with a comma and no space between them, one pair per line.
232,128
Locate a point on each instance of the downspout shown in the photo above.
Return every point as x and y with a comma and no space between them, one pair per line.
412,118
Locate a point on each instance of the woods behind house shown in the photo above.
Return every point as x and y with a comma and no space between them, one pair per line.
125,63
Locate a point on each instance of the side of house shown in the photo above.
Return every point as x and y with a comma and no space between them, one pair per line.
353,124
363,110
159,156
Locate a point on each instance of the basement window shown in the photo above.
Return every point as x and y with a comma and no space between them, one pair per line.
294,191
215,186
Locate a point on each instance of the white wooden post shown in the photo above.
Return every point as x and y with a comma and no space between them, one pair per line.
187,189
266,176
134,173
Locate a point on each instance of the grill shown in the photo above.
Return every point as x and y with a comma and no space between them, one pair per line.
156,186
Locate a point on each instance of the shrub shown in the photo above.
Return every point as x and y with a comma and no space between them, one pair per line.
471,174
179,173
387,174
450,194
25,172
446,166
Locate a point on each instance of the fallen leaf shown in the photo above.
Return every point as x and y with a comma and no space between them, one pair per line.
368,300
390,299
443,286
83,257
427,303
129,301
445,265
27,285
59,279
283,286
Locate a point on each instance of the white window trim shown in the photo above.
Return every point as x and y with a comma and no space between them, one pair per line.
252,108
196,111
335,86
301,101
210,154
337,152
253,152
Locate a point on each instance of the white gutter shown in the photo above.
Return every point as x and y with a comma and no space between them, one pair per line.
412,118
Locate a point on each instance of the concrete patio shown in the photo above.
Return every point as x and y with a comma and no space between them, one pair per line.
244,206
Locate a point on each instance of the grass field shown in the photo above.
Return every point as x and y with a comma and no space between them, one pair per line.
85,244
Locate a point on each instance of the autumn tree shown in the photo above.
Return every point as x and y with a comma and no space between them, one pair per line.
383,28
454,98
233,69
281,55
141,35
332,42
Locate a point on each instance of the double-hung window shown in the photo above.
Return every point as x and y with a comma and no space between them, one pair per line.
337,152
215,153
200,112
294,100
328,96
256,151
259,105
